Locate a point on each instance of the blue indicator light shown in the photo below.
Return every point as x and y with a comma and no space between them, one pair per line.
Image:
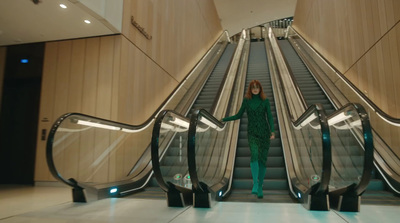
24,60
113,190
220,193
299,195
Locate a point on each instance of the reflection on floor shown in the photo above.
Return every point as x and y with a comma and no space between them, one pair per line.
53,205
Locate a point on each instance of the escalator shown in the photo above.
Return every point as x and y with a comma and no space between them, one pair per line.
347,153
310,89
275,184
173,164
212,150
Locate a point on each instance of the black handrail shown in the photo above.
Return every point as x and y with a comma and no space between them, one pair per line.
389,171
359,188
155,158
326,141
322,187
194,119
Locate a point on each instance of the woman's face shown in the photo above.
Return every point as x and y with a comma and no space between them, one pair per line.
255,89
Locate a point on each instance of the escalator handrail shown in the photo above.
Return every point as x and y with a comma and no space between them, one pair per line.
368,144
388,169
157,126
323,121
191,152
239,56
368,166
155,156
326,144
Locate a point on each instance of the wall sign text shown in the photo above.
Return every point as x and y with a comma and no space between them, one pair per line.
140,28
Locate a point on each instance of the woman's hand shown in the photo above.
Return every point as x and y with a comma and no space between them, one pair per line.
272,136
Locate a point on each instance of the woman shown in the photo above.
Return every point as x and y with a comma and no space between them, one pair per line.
260,131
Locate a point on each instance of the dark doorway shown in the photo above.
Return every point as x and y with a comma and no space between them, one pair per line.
20,112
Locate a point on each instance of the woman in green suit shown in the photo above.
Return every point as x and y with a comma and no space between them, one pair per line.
260,131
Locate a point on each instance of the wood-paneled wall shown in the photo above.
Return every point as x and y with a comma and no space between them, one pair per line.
125,77
361,39
179,30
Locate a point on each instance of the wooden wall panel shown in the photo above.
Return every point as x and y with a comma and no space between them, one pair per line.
76,75
181,31
359,35
124,78
46,109
74,102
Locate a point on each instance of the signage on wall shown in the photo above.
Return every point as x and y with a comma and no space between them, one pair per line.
140,28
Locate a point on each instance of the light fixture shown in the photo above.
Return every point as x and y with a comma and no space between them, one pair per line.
180,122
63,6
208,122
338,118
98,125
87,21
113,190
138,130
308,120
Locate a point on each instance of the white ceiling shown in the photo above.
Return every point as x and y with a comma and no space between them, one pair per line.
22,21
238,14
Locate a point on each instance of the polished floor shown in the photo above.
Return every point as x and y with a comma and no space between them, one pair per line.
49,204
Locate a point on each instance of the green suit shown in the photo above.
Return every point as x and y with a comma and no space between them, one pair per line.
260,127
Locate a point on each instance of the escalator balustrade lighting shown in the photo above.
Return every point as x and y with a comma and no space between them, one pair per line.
338,118
113,190
308,120
97,125
180,122
354,124
137,130
208,122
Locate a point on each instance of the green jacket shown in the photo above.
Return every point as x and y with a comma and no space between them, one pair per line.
260,120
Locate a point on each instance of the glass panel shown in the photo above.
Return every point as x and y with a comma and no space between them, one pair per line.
347,151
92,150
211,150
173,141
308,153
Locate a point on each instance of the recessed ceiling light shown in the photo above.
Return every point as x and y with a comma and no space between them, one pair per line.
87,21
63,6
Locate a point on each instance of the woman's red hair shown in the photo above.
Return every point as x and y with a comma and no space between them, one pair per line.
257,83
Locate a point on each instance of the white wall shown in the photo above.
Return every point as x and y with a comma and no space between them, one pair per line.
109,10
